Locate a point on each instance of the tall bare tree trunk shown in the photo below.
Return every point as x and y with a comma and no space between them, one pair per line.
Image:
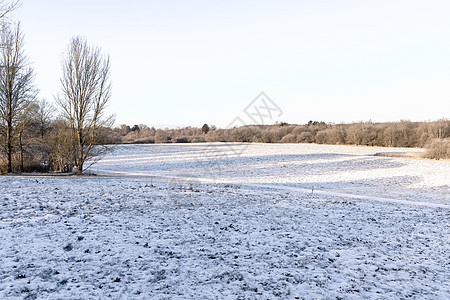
20,153
80,160
9,146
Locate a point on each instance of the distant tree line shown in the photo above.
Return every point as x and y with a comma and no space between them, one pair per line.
390,134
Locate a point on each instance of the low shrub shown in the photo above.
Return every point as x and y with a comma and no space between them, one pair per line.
438,149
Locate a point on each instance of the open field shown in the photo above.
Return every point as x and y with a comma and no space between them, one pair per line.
336,169
217,221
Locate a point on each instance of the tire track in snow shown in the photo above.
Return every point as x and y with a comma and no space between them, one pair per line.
347,195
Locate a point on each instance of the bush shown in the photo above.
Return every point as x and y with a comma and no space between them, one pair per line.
322,137
438,149
32,163
305,137
162,136
289,138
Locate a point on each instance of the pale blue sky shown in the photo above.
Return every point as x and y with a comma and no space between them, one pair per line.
177,63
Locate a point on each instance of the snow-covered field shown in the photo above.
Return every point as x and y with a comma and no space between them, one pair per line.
221,221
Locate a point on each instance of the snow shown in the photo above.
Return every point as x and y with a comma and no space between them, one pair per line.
339,169
256,221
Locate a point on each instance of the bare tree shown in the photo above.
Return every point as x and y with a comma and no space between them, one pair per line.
86,90
205,128
44,116
26,117
16,88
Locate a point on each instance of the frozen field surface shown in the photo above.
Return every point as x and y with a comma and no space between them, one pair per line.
334,169
230,222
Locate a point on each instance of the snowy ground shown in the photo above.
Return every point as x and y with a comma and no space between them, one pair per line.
336,169
240,223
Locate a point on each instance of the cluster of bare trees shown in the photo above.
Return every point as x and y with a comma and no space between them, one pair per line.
34,137
17,93
393,134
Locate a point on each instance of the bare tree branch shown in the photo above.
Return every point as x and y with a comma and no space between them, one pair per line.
7,6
